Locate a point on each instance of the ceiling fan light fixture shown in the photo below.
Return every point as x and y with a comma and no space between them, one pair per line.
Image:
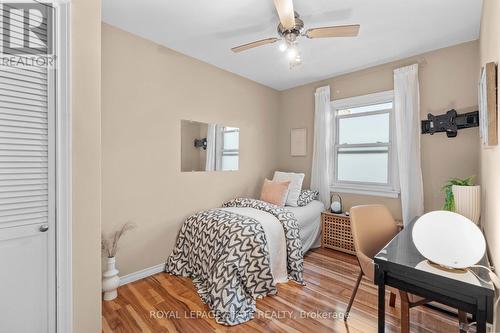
297,61
291,37
292,53
294,57
283,46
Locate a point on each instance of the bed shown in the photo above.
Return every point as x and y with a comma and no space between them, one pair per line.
309,223
309,220
238,253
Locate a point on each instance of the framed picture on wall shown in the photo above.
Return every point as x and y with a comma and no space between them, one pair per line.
298,141
488,115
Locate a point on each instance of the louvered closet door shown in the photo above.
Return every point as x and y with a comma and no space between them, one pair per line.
27,188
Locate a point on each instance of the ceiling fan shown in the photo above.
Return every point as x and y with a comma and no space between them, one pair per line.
291,27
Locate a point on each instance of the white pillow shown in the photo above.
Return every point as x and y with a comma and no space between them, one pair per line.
294,188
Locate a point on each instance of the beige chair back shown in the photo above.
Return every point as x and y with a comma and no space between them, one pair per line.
372,228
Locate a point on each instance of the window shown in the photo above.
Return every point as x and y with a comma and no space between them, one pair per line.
364,157
230,148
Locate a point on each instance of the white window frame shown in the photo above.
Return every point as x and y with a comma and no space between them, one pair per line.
229,152
391,189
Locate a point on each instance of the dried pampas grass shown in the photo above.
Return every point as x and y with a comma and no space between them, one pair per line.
109,245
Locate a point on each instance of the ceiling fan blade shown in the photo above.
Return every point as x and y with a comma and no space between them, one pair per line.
251,45
286,13
336,31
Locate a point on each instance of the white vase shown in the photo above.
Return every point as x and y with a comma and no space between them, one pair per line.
110,280
467,201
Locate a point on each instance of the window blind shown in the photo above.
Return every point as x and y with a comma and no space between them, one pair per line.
24,134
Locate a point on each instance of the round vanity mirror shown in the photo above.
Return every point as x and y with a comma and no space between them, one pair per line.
448,239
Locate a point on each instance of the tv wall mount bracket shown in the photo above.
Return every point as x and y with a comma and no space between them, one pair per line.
450,122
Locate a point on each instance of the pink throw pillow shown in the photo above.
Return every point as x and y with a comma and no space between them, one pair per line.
274,192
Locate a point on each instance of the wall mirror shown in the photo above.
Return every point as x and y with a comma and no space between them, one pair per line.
209,147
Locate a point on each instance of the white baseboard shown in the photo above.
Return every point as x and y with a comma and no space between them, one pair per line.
142,274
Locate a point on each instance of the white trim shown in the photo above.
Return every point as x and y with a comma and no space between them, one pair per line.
52,104
357,101
144,273
366,190
391,189
64,294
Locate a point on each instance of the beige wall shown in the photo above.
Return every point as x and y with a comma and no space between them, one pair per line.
86,145
448,79
146,90
490,157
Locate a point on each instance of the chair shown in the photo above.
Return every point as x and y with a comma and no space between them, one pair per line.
373,228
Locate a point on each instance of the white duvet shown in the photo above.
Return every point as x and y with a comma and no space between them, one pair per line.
309,220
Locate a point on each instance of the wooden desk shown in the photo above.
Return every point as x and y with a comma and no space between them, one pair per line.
401,266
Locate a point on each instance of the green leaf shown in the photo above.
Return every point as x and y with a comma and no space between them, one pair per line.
449,200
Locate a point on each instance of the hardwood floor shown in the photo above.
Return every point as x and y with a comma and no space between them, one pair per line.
166,303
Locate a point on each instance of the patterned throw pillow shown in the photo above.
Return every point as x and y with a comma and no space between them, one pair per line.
306,197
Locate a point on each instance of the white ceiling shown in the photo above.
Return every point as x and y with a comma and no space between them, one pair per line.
206,30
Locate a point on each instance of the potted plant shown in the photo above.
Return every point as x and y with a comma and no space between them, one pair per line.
463,197
109,246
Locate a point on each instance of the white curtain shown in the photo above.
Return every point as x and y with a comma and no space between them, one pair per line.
211,148
214,147
407,116
321,164
218,146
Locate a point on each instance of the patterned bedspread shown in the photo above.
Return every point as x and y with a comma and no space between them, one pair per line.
227,256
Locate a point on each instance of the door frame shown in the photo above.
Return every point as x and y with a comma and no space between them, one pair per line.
63,198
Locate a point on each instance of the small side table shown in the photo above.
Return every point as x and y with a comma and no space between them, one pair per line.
336,233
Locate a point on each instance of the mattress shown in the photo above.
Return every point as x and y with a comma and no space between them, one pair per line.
309,220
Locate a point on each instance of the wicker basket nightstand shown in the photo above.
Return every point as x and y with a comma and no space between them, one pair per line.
337,232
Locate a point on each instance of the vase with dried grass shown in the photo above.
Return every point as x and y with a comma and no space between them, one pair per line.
109,246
